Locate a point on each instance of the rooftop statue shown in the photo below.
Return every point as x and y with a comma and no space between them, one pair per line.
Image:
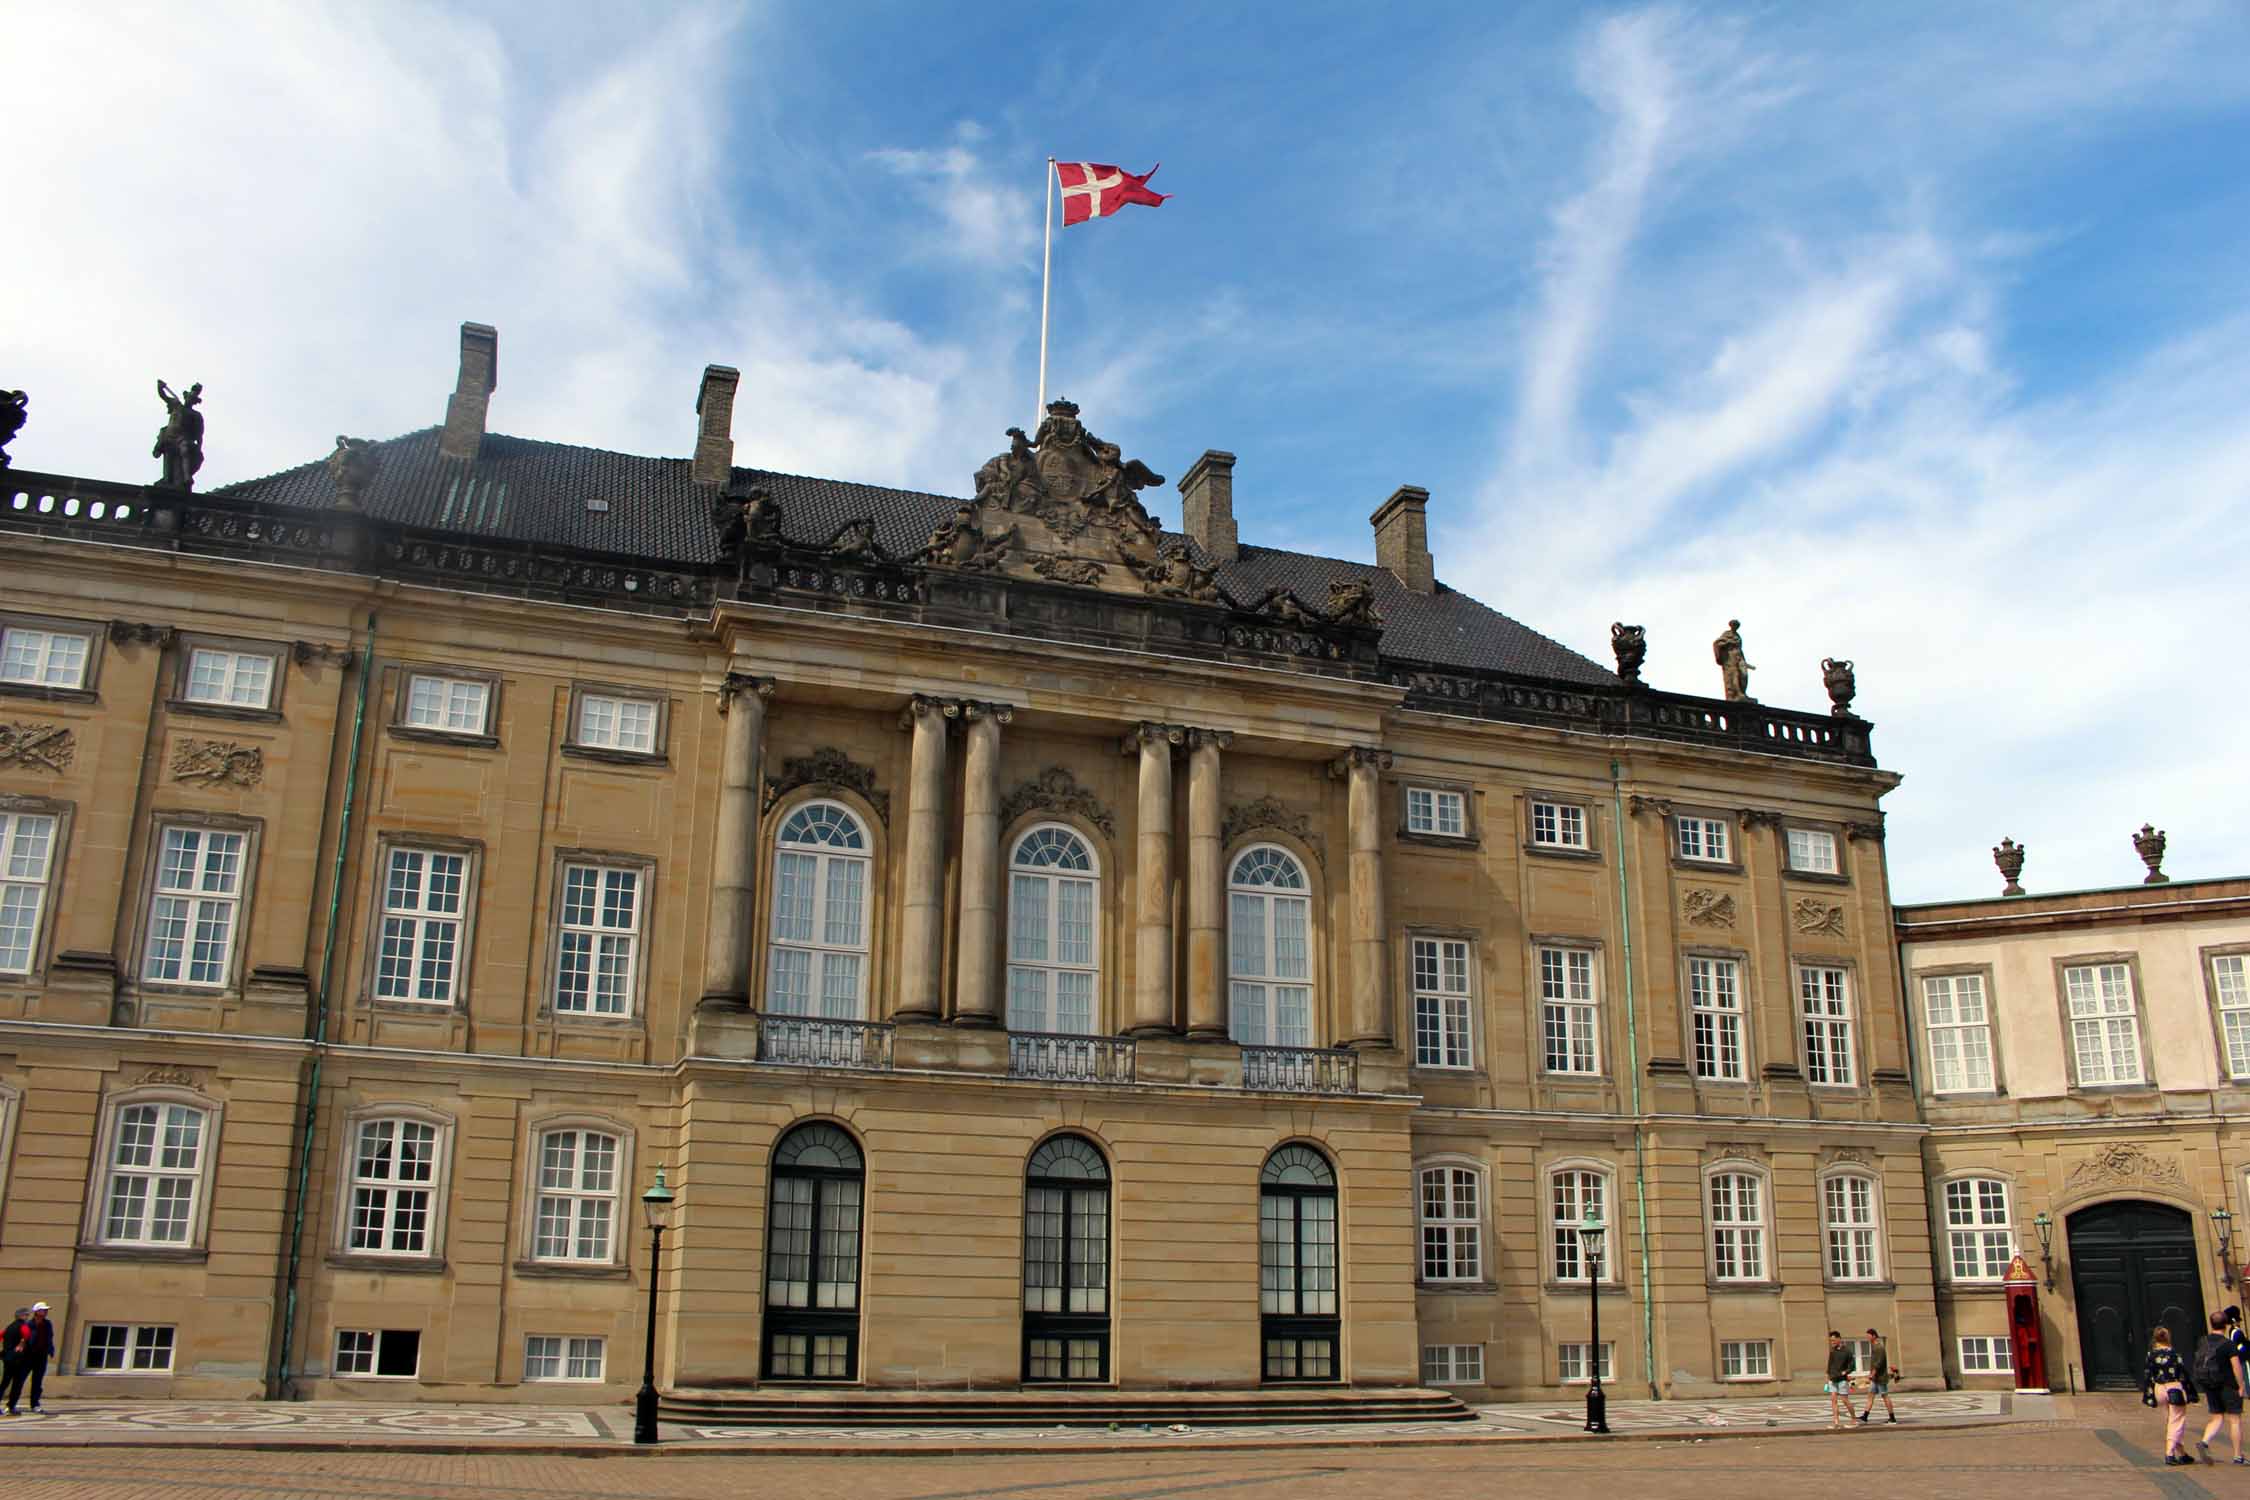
180,441
350,468
15,407
1064,506
1733,670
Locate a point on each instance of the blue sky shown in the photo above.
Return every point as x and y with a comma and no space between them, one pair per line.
1911,334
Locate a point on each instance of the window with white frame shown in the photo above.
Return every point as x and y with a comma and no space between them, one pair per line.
1812,851
1568,1011
2104,1036
27,862
575,1215
1960,1030
230,679
1453,1364
1702,839
1452,1224
609,721
1441,1003
394,1176
1746,1359
1738,1226
1848,1211
450,705
1054,933
816,962
1984,1354
34,656
128,1349
1979,1237
1441,814
1824,1008
598,951
1269,950
156,1165
418,953
2230,991
1715,1006
379,1353
1571,1361
197,902
549,1356
1573,1194
1558,825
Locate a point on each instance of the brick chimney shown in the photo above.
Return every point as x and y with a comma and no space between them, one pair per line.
1402,538
472,394
1207,505
714,425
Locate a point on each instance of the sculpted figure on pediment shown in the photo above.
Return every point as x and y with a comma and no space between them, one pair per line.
1064,506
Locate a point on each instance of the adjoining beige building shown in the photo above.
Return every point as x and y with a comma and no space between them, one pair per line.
1040,948
2084,1065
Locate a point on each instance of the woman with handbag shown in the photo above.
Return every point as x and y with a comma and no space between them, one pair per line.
2165,1383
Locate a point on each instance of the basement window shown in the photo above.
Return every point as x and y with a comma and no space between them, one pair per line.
383,1354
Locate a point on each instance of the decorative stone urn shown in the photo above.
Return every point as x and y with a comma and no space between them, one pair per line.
2149,845
2008,855
1842,685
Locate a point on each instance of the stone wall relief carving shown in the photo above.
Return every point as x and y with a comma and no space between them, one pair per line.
1708,908
1269,813
1055,790
1818,918
2125,1164
831,770
218,762
37,747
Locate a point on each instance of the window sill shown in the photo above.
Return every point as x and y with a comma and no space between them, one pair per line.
1833,1285
403,1265
433,1009
1972,1288
1817,877
1707,866
1965,1096
563,1270
1564,851
1581,1080
1458,1288
2119,1090
1788,1070
183,1255
579,1020
189,708
609,756
1439,840
1713,1284
1577,1288
1446,1070
428,736
44,694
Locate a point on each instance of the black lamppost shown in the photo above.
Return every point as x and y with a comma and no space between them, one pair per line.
2222,1228
2046,1228
656,1207
1590,1250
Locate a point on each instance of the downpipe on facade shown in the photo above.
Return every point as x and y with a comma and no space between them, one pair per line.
1633,1072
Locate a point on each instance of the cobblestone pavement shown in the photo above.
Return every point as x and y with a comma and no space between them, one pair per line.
2107,1457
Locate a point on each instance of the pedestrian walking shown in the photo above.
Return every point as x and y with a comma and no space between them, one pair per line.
2218,1370
1839,1386
2164,1383
32,1351
1878,1376
11,1351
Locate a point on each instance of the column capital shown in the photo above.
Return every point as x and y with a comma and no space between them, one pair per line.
923,706
1217,739
1641,803
1147,733
999,713
742,682
1371,757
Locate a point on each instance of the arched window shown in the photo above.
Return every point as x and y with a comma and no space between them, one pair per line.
1269,950
1053,932
812,1256
1297,1265
1066,1262
818,962
1848,1216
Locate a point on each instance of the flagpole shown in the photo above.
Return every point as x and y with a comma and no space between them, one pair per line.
1046,282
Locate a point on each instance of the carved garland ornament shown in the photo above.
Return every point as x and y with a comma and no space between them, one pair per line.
1709,909
175,1077
37,747
1055,790
1269,813
218,762
1819,918
830,770
2125,1163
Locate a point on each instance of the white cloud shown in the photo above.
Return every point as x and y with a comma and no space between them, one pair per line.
986,220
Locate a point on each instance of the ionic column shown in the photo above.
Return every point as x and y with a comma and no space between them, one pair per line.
1152,905
1369,1016
734,847
977,998
922,932
1207,896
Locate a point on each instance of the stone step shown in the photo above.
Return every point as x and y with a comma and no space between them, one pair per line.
856,1408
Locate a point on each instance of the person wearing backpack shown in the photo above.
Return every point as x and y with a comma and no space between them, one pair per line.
2218,1370
2164,1383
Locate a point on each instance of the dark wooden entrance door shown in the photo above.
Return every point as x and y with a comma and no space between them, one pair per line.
2133,1267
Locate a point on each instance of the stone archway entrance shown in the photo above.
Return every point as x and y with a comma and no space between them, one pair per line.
2133,1267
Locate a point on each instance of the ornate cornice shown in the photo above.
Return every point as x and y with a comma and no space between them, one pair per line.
1055,790
1872,832
37,747
829,770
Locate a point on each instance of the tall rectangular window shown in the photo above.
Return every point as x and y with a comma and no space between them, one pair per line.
1444,814
1960,1031
1569,1014
1572,1197
1702,839
1738,1227
1848,1205
393,1171
1812,851
455,705
609,722
1452,1225
2230,989
1715,1004
43,658
1824,1004
155,1175
600,942
576,1214
232,679
198,894
1558,825
2103,1032
1978,1235
421,939
1441,1003
27,861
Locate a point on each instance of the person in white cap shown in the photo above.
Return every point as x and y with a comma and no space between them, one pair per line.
30,1358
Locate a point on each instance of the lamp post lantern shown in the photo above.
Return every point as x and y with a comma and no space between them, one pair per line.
2046,1228
656,1208
2222,1227
1590,1250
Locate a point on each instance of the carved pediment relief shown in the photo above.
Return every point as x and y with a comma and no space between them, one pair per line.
827,769
2125,1164
1056,790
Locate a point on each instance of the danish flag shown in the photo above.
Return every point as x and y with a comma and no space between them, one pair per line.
1093,190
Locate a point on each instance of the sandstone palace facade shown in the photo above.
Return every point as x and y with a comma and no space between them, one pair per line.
1039,948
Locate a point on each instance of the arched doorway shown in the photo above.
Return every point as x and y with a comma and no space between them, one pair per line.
2133,1267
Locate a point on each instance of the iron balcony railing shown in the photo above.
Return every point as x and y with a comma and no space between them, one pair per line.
1069,1058
1301,1070
816,1042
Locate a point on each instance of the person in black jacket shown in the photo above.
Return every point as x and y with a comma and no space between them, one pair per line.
33,1349
11,1350
2165,1383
